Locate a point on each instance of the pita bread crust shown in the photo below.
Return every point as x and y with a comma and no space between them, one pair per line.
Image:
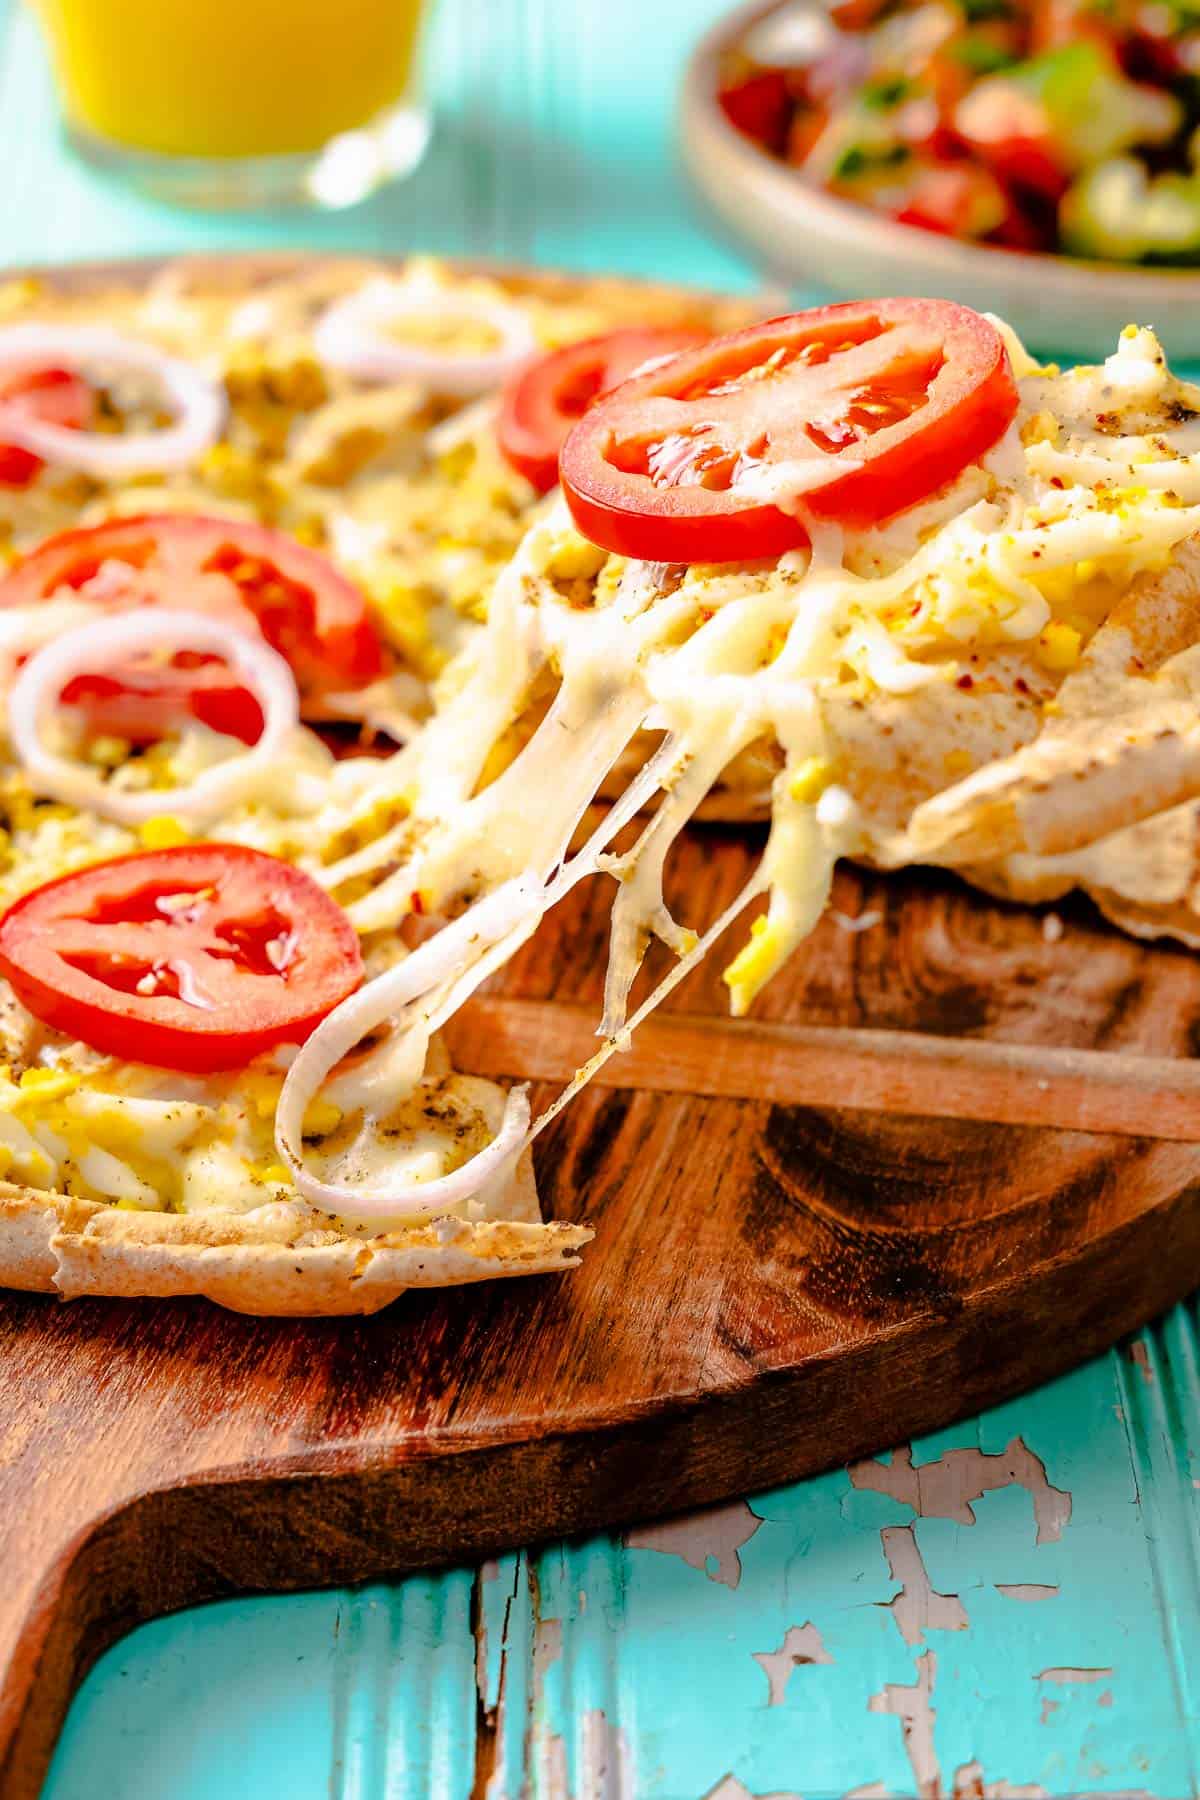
1123,743
1145,879
891,751
87,288
1182,923
28,1223
275,1261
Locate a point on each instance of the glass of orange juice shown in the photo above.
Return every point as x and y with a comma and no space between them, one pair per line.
242,102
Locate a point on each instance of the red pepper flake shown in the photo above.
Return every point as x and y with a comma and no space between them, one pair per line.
965,682
416,902
1056,481
1021,685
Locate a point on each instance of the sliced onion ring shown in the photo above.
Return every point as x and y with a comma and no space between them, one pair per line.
196,400
87,650
439,964
349,336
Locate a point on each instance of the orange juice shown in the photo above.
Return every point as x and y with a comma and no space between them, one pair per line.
228,78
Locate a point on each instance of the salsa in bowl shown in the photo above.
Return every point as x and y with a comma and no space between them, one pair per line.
1037,159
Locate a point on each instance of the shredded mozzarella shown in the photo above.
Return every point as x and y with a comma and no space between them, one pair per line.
550,704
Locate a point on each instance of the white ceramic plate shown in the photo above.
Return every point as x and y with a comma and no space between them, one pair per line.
805,235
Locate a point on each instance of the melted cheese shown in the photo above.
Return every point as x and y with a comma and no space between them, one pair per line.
415,482
1023,555
1097,480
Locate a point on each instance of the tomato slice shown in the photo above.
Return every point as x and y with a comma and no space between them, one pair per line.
57,397
857,410
141,703
543,400
197,958
249,574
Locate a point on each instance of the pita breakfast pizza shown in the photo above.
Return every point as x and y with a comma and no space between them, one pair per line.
352,617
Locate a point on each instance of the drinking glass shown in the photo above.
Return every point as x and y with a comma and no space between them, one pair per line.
242,102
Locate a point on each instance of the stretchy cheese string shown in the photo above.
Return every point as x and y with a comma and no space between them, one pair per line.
718,663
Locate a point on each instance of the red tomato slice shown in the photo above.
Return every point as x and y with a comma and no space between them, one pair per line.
863,409
250,575
140,704
543,400
57,397
243,572
198,958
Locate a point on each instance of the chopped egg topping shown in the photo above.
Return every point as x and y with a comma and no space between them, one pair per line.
583,668
144,1138
995,586
404,487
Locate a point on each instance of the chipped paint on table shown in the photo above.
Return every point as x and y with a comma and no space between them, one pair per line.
1012,1608
1004,1610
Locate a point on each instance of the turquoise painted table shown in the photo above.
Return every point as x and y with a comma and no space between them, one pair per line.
1010,1609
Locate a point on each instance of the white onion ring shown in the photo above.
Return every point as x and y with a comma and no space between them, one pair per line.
446,969
88,650
347,336
24,629
195,398
440,963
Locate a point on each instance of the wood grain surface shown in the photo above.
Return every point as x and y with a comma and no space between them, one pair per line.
948,1158
846,1238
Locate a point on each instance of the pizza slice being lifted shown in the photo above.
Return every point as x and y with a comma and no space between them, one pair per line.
868,570
329,461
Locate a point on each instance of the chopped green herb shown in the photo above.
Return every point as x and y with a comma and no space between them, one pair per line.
887,92
981,57
976,12
858,159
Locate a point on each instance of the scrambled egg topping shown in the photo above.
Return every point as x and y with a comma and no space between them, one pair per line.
146,1139
999,581
406,490
74,1121
994,586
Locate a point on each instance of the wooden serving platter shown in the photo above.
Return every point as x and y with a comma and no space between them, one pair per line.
955,1151
949,1159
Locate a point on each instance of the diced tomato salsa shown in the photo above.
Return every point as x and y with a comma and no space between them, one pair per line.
1069,126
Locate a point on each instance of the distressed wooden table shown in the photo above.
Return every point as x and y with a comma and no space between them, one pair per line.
1012,1608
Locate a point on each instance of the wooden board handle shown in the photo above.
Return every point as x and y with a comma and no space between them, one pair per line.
82,1572
898,1073
54,1615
